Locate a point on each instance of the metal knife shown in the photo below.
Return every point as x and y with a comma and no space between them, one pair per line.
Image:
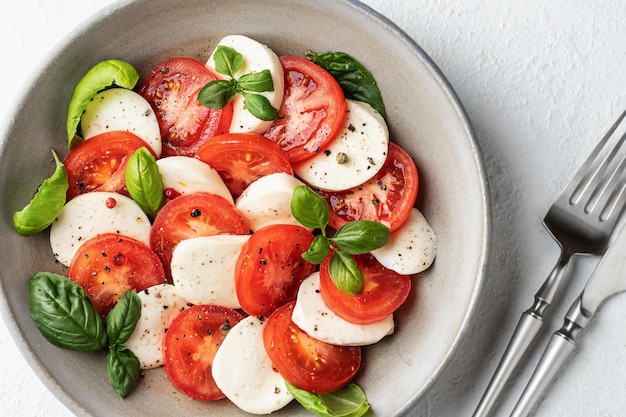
609,278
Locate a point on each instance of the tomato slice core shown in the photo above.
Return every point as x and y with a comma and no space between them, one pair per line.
305,362
190,345
108,265
313,109
270,269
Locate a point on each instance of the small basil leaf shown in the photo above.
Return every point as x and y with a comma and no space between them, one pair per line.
123,369
361,236
123,318
259,106
63,313
144,182
257,81
355,80
45,205
217,94
104,74
318,251
309,208
345,273
349,401
227,60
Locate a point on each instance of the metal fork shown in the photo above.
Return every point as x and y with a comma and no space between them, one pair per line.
581,221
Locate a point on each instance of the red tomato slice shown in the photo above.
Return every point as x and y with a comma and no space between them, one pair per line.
172,90
387,198
190,345
193,215
241,158
108,265
305,362
270,268
384,290
314,109
99,163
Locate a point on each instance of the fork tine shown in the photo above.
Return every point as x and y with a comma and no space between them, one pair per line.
612,198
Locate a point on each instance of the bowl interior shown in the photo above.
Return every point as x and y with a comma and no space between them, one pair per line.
424,117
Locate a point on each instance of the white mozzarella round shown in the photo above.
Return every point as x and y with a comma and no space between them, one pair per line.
244,373
121,109
256,58
186,175
88,215
313,316
160,304
355,156
411,248
203,269
268,201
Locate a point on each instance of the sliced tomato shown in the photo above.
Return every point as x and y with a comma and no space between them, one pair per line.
241,158
193,215
314,109
190,345
172,89
99,163
307,363
386,198
270,268
108,265
384,290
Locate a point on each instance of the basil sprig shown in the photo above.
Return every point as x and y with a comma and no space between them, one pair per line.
45,205
144,181
104,74
218,93
65,316
349,401
355,80
353,238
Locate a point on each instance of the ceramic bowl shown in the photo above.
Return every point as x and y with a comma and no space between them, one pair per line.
424,115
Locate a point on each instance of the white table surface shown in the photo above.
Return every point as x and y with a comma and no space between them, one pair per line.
541,82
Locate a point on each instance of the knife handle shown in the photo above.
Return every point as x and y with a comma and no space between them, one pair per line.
556,354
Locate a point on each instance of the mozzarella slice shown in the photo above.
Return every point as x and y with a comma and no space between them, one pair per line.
186,175
88,215
121,109
256,58
268,201
313,316
354,157
203,269
160,304
244,372
411,248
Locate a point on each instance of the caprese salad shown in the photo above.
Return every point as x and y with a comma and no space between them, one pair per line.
244,223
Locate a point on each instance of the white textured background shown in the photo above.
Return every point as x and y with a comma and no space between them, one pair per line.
541,82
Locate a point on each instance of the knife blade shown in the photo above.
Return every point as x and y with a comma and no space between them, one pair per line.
609,278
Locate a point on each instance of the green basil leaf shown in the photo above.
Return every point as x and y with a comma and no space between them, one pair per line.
318,251
217,94
123,318
123,369
112,72
45,205
259,106
309,208
349,401
361,236
257,81
144,181
355,80
227,60
345,273
63,313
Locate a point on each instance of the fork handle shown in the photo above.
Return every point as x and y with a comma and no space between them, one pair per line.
523,336
556,354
